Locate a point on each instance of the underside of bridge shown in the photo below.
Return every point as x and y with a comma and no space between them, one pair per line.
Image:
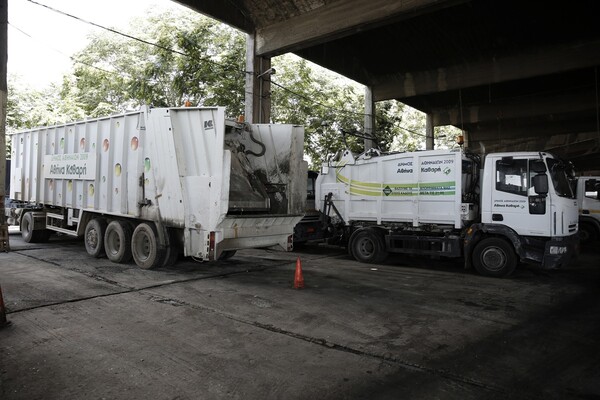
514,75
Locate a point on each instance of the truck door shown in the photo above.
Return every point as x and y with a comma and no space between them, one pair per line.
589,196
515,203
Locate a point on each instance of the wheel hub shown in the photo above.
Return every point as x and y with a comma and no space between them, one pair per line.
493,258
366,247
92,237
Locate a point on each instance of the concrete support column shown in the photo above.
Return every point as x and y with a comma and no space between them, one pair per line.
3,102
369,117
264,90
250,79
465,139
429,142
258,84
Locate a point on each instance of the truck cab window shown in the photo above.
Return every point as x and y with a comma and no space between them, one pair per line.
560,174
511,176
591,189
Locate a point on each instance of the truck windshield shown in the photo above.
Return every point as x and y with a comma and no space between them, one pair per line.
560,173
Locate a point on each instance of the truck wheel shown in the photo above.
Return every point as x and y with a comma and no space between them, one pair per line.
587,233
367,246
494,257
227,254
117,241
29,234
172,252
27,231
144,246
94,237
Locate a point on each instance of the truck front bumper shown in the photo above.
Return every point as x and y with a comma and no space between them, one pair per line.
560,251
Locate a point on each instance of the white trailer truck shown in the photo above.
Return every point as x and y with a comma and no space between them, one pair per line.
157,182
440,203
588,196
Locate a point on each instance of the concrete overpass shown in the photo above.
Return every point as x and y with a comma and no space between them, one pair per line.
514,75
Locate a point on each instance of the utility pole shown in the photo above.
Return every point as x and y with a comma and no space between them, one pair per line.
4,245
429,139
369,118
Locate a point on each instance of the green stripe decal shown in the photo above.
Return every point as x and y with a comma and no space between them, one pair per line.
361,192
359,188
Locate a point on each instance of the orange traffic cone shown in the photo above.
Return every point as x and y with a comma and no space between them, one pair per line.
3,321
298,278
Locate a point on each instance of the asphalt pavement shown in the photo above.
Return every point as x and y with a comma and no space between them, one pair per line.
414,328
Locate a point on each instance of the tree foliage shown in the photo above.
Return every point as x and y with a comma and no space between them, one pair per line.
183,57
29,108
307,95
193,59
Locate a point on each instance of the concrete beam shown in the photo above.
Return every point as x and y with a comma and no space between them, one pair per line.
528,107
334,20
568,149
512,130
230,13
542,61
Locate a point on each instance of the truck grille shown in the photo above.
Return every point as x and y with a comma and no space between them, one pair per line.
572,228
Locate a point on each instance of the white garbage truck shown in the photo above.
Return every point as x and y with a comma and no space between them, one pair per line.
158,182
588,196
519,208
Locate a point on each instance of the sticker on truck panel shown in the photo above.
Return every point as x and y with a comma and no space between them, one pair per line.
70,166
510,204
359,188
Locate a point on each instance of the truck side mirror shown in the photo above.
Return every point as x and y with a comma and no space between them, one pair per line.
540,184
538,166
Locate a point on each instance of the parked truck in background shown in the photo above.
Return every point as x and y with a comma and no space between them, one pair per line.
312,227
588,196
157,182
519,208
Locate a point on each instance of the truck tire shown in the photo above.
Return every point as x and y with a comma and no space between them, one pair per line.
144,246
29,234
117,241
172,251
494,257
94,237
27,227
227,254
587,233
367,246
